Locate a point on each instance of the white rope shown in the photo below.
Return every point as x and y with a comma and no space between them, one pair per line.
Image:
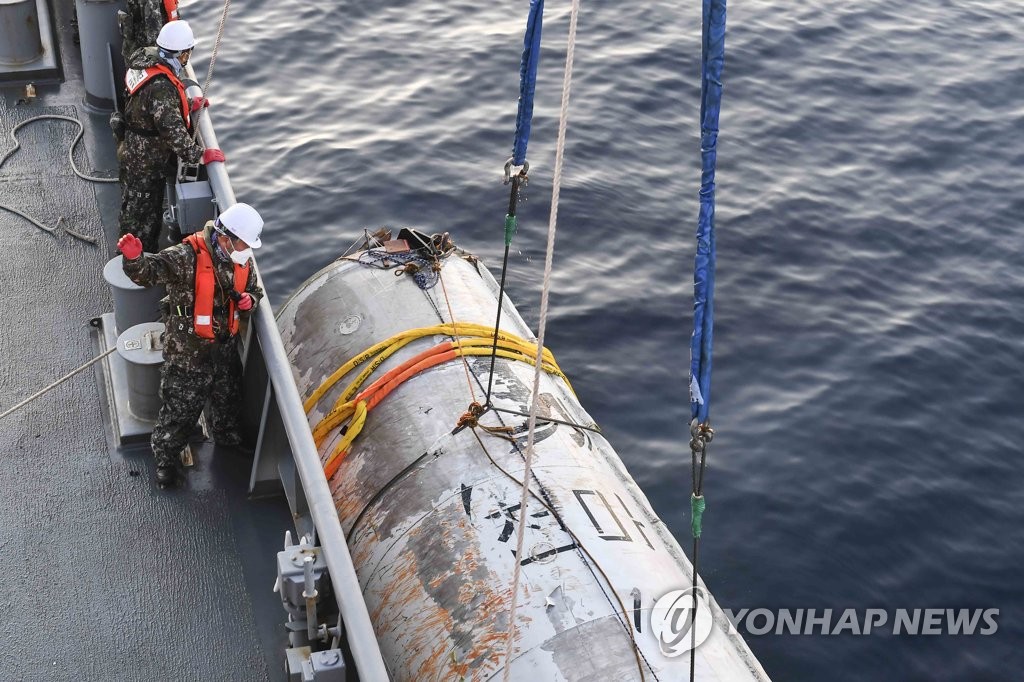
60,381
71,149
542,328
209,70
71,159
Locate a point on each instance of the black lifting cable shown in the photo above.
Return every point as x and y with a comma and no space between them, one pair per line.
700,438
551,420
518,181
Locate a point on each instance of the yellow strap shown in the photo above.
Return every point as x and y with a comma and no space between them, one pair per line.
358,411
403,338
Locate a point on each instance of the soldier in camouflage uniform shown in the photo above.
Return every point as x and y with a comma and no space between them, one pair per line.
156,120
201,355
140,23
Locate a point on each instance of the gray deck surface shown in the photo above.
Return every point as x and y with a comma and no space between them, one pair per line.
102,576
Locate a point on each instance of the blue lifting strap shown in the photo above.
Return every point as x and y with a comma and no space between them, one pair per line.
527,80
712,60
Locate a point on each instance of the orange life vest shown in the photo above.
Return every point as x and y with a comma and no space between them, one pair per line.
171,9
206,284
134,79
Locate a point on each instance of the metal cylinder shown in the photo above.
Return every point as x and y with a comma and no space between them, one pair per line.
142,350
132,304
19,32
100,39
431,509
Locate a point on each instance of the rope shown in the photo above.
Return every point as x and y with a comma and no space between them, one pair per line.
420,268
588,559
44,228
71,149
209,69
71,159
458,344
563,120
57,383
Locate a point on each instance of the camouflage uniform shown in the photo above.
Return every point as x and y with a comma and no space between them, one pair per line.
148,160
195,369
142,25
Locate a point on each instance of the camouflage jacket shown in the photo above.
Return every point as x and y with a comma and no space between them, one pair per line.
175,268
155,107
142,25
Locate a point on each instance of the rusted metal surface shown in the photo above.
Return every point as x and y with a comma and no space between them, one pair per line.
431,520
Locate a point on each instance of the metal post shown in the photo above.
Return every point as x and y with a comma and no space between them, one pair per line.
310,595
358,628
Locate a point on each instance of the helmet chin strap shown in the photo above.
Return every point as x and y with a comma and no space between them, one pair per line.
222,253
239,257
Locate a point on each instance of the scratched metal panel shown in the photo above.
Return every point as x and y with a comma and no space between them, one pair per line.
432,521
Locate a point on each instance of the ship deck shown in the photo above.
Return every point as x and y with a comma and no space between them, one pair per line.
102,575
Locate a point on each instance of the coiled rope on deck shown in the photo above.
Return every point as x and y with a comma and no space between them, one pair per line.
71,160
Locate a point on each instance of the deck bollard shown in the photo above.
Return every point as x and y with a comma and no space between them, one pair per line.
141,348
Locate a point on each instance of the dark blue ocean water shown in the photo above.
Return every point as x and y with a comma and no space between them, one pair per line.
867,388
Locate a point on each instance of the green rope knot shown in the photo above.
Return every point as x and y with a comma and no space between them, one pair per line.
510,228
697,508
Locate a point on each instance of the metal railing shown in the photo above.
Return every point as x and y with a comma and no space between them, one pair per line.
285,447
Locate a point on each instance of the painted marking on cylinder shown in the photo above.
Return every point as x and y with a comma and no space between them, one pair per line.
639,526
349,324
511,518
635,594
593,519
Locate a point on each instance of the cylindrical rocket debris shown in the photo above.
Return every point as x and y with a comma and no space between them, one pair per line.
432,516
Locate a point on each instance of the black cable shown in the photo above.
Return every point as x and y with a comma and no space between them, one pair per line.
595,428
701,435
513,199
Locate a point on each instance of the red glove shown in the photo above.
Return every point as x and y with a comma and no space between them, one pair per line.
130,246
245,302
198,103
211,155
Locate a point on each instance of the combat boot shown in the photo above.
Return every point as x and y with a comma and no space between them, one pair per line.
167,477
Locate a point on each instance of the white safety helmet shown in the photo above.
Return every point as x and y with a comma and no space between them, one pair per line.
176,36
244,222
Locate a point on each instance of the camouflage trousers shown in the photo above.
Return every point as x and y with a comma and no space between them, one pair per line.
142,209
187,385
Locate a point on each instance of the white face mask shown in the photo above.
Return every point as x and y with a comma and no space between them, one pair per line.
241,257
